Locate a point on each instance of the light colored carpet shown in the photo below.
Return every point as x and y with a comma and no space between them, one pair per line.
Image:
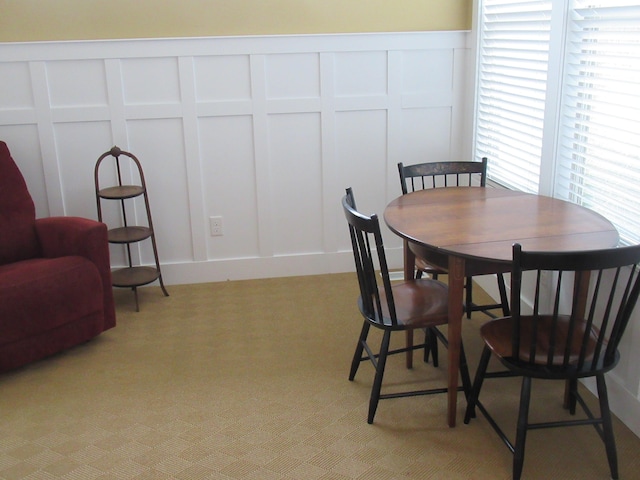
248,380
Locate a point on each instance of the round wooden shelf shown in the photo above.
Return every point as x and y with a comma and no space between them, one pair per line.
129,234
134,276
120,192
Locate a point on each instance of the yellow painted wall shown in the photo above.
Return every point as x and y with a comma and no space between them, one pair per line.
44,20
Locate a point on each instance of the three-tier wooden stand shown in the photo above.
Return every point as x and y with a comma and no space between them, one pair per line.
132,276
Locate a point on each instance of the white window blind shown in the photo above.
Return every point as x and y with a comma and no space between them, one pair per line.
598,162
513,52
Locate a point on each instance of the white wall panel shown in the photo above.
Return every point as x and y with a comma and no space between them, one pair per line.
15,93
235,127
293,76
361,74
159,146
151,81
421,77
223,78
361,146
426,136
86,87
295,178
228,165
76,158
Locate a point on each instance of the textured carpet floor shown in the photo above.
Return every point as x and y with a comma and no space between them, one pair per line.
248,380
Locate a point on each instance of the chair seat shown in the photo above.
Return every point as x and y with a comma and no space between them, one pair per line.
418,303
423,265
498,336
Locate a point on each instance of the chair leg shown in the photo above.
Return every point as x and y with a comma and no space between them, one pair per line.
409,352
431,342
572,400
477,384
464,373
607,426
504,299
377,382
357,356
409,334
521,433
135,295
469,296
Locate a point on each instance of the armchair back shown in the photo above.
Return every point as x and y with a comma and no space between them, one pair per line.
18,238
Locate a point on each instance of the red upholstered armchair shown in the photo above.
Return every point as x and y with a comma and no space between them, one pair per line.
55,276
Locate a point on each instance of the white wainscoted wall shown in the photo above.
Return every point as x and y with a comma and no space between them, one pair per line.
265,132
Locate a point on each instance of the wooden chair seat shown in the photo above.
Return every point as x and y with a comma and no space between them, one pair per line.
537,347
418,304
426,267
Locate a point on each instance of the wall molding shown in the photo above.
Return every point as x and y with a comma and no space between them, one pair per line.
207,46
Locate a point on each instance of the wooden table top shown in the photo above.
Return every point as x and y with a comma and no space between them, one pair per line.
483,223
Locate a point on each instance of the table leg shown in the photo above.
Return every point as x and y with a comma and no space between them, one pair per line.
409,268
456,280
409,262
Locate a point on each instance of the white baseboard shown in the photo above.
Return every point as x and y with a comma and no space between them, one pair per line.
252,268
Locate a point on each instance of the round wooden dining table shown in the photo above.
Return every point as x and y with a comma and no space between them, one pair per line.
469,231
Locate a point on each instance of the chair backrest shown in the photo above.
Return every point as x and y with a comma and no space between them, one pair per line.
18,238
583,337
366,241
442,174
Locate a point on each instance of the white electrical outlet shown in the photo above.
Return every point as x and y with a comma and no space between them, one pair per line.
215,224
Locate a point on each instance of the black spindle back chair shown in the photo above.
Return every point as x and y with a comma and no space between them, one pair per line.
397,306
442,174
449,174
562,340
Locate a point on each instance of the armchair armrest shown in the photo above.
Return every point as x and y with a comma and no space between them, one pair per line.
64,236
